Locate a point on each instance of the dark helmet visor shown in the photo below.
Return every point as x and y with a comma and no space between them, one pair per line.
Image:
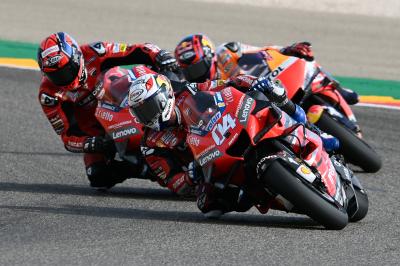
65,75
195,71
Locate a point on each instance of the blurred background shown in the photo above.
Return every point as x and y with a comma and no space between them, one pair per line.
350,37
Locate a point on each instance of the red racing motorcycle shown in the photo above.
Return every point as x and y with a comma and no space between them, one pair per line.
242,140
113,114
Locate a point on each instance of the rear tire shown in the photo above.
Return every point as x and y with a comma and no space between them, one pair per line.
363,204
304,198
354,149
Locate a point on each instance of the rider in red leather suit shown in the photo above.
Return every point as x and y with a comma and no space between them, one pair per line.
160,108
70,72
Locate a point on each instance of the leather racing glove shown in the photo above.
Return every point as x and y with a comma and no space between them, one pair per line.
300,49
98,144
165,61
194,173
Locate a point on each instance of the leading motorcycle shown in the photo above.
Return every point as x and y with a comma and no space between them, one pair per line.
243,141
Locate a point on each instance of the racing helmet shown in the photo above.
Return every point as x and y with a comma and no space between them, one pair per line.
151,100
195,55
61,61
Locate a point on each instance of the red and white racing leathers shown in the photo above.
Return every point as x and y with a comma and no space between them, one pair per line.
166,151
72,113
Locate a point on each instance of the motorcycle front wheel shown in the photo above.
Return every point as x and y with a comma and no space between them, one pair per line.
304,197
354,149
363,204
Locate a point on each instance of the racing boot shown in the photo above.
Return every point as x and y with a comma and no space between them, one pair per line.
329,142
214,202
103,176
350,96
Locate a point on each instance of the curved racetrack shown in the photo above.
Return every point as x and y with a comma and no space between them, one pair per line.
49,215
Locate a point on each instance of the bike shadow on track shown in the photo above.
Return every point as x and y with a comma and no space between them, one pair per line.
77,190
235,219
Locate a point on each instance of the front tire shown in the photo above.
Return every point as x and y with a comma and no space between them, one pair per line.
304,198
363,203
354,149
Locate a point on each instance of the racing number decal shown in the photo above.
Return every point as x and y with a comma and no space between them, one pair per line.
220,129
99,48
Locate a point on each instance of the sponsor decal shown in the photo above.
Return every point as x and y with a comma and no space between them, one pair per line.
97,90
212,121
169,138
166,114
194,141
119,124
209,156
122,133
192,88
184,47
233,139
244,111
275,73
87,100
123,47
105,115
110,107
116,48
219,101
197,131
57,123
187,55
260,164
306,173
75,144
53,60
146,151
48,100
178,182
140,71
227,93
99,48
137,96
151,47
50,50
216,83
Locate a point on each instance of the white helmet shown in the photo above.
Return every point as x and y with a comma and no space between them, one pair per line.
151,100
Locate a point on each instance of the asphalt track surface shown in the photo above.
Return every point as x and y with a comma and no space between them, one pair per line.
49,215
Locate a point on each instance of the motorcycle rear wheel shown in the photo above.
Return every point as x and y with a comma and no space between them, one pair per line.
354,149
305,199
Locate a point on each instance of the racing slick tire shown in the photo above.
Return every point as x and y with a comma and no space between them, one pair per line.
354,149
304,197
363,203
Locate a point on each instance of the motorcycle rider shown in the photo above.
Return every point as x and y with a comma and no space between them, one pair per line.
66,95
160,108
199,60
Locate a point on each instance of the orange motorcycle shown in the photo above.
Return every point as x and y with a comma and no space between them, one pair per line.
316,91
